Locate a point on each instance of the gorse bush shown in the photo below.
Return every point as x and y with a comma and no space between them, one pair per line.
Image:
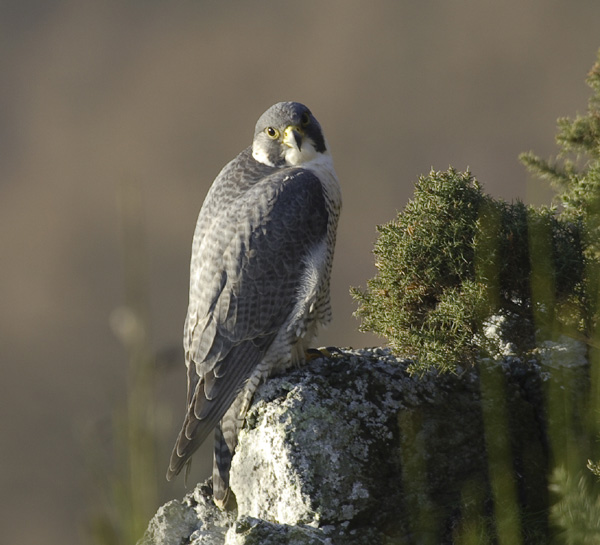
575,173
423,259
456,262
463,277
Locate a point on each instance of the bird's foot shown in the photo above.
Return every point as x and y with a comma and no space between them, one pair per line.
323,352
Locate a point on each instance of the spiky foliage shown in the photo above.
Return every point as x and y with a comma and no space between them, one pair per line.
461,275
575,173
454,258
423,259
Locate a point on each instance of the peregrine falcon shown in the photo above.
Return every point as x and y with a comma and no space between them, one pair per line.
259,278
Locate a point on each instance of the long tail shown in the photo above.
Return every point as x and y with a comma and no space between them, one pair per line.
223,455
226,438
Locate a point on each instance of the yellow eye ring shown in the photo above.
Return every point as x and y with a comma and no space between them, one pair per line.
305,120
272,133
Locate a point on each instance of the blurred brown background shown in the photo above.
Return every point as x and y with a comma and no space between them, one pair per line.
165,93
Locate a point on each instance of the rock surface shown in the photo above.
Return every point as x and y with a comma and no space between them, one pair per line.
353,449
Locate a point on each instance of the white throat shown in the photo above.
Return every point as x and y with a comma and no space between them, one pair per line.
299,157
293,156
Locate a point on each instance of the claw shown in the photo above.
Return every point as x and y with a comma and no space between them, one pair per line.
324,352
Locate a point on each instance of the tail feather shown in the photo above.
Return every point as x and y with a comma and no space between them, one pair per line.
223,455
226,438
210,396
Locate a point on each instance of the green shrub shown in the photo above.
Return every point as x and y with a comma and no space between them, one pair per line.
463,276
575,173
457,262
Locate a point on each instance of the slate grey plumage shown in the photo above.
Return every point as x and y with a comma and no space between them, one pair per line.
259,277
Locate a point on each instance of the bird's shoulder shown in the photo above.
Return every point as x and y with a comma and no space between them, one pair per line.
247,191
238,176
244,173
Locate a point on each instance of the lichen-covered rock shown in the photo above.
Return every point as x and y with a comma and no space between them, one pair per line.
195,521
252,531
317,441
172,524
352,449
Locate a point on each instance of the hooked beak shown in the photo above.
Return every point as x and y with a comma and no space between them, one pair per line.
293,137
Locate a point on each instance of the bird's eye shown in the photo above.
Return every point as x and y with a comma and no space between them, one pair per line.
272,133
305,120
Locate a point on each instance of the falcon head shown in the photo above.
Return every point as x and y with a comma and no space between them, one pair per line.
287,134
